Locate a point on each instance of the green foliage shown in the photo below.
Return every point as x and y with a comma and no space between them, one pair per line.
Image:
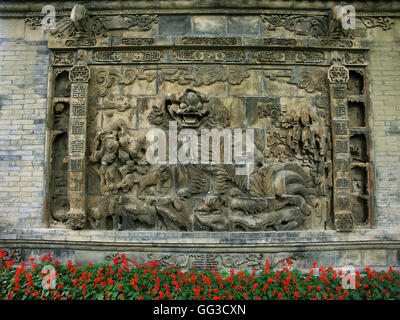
123,280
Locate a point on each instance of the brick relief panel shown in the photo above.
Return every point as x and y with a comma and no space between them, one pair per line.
305,108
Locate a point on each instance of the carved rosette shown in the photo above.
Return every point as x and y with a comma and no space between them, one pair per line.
79,76
338,73
344,222
338,76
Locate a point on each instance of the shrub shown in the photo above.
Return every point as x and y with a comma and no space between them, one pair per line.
50,280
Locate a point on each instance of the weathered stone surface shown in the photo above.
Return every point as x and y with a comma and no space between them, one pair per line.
174,25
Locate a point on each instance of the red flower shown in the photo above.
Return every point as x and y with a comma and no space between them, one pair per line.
314,264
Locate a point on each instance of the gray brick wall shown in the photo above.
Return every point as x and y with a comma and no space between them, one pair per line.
385,107
23,104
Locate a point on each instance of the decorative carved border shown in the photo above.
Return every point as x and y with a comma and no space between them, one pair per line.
338,76
79,77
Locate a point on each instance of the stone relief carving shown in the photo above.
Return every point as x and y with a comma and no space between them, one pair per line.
321,26
280,42
228,41
371,22
63,58
79,74
338,73
290,56
81,25
239,261
209,56
291,184
123,56
204,75
354,58
315,26
208,197
34,22
309,80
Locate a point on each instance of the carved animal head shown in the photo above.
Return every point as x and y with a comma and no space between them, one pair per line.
189,110
80,17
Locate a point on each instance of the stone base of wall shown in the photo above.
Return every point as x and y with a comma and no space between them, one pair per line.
377,248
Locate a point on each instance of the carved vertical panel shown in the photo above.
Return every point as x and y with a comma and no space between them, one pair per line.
338,76
79,76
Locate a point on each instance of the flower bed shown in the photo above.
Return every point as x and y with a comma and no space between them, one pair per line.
120,279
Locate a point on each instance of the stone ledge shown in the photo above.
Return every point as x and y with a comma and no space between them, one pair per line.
282,239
